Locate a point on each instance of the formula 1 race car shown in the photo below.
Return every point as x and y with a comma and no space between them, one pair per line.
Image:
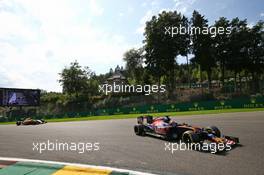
170,130
29,121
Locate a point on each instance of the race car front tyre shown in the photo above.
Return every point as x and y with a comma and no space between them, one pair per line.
172,135
190,137
139,130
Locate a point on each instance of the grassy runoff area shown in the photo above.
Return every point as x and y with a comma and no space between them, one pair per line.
126,116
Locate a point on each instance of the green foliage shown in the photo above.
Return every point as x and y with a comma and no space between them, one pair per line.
238,54
77,80
222,46
134,65
161,49
203,46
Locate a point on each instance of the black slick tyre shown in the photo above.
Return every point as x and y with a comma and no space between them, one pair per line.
190,137
139,130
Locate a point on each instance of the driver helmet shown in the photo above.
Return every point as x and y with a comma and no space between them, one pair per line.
167,119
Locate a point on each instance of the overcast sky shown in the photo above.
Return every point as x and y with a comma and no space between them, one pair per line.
38,38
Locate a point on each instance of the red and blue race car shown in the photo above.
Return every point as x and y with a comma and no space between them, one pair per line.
171,130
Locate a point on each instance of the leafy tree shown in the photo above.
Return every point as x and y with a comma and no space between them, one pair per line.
256,53
222,45
203,46
161,49
74,79
111,71
134,64
237,48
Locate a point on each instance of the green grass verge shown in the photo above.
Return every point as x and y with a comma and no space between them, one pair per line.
126,116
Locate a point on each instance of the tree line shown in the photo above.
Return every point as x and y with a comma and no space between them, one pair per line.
237,53
240,51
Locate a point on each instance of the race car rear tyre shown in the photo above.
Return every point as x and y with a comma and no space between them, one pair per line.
215,129
190,137
139,130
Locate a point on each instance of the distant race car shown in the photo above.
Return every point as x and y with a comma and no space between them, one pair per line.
170,130
29,121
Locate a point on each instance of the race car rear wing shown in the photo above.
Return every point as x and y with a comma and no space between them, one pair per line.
147,119
140,120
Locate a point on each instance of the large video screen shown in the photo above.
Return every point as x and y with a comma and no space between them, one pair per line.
19,97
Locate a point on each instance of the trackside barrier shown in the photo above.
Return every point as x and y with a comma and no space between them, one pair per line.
195,106
256,102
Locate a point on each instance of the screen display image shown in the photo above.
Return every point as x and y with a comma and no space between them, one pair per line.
19,97
23,98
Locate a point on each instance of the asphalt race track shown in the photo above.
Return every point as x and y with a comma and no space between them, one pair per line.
121,148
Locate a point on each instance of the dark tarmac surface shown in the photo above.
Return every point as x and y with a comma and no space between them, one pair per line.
121,148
